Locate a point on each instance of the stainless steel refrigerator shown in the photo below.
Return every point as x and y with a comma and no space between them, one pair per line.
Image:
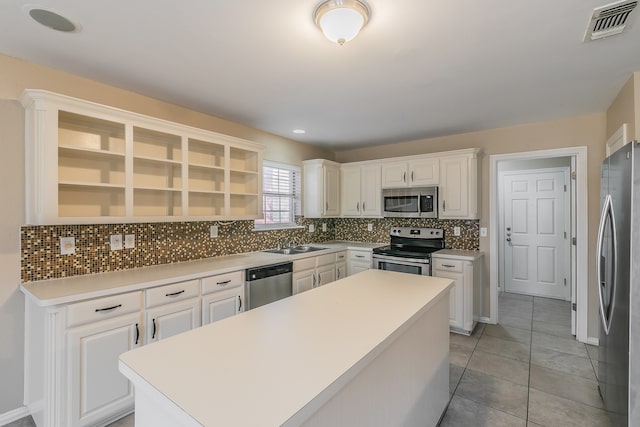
618,281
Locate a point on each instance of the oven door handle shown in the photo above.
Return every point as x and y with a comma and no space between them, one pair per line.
401,260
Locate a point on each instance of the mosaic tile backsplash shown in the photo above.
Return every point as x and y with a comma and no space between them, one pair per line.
166,243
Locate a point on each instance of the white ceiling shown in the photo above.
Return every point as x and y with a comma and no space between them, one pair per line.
419,69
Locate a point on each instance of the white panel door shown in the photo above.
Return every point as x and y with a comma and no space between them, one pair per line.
351,204
371,191
325,274
394,175
536,234
331,190
96,386
303,281
454,188
172,319
220,305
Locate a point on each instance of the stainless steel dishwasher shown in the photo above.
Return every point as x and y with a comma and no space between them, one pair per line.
268,284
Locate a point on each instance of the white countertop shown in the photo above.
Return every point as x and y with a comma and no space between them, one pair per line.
67,290
264,366
458,254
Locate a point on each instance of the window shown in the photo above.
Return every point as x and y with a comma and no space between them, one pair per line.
280,194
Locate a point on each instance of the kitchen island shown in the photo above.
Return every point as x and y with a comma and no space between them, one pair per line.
371,349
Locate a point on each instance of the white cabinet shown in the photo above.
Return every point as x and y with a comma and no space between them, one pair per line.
459,188
341,265
410,173
465,295
222,296
321,180
358,260
98,331
172,309
361,194
311,272
89,163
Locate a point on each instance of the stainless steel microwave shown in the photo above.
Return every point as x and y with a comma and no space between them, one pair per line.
410,202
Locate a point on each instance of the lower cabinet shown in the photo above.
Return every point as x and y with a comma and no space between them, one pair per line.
221,305
97,390
311,272
341,270
465,295
358,260
173,319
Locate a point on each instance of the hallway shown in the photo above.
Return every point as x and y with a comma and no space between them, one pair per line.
527,371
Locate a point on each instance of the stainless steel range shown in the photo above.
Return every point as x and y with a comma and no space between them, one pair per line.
410,250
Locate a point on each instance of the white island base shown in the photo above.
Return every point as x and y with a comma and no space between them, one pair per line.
369,350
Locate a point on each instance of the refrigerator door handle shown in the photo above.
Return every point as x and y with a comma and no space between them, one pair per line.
607,212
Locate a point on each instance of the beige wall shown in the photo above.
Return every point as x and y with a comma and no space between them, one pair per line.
17,75
623,108
589,130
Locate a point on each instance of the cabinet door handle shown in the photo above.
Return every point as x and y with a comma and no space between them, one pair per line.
444,205
240,303
358,206
448,265
137,333
319,279
363,208
174,294
404,177
314,281
337,273
153,335
223,283
98,310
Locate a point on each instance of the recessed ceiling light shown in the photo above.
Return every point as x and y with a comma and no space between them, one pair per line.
299,131
53,20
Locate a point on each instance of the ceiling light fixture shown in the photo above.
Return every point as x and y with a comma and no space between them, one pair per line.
341,20
299,131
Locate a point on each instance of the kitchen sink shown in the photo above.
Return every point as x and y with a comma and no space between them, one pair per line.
295,250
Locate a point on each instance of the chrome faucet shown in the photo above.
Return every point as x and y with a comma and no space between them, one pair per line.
293,242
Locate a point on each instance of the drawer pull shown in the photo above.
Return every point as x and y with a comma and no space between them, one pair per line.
240,305
98,310
359,256
153,335
137,333
174,294
449,265
223,283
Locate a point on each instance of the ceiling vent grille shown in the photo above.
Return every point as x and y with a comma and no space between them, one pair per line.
609,20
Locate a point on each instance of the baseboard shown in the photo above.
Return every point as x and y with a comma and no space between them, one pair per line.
15,415
593,341
483,319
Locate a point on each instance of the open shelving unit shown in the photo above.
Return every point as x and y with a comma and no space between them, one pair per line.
92,163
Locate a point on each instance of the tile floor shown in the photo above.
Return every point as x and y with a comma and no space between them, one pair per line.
527,371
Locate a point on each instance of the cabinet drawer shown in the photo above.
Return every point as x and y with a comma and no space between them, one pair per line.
103,308
221,282
448,264
171,293
360,256
304,264
325,260
341,256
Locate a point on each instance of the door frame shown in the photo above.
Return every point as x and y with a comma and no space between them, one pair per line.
581,277
567,220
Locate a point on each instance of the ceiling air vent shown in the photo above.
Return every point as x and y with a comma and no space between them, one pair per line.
609,20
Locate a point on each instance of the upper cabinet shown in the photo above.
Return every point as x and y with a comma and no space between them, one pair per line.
458,195
361,191
321,180
89,163
410,173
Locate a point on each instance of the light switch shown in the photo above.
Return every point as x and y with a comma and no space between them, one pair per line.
312,228
115,242
67,245
456,231
129,241
483,231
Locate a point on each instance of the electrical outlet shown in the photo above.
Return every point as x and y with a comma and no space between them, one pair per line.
312,228
324,227
116,242
67,245
129,241
456,231
483,231
370,227
213,231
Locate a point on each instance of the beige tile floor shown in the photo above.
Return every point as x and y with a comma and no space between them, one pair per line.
526,371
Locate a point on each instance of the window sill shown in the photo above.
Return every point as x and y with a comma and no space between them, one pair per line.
275,227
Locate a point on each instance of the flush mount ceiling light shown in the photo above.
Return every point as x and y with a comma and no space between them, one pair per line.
53,20
341,20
